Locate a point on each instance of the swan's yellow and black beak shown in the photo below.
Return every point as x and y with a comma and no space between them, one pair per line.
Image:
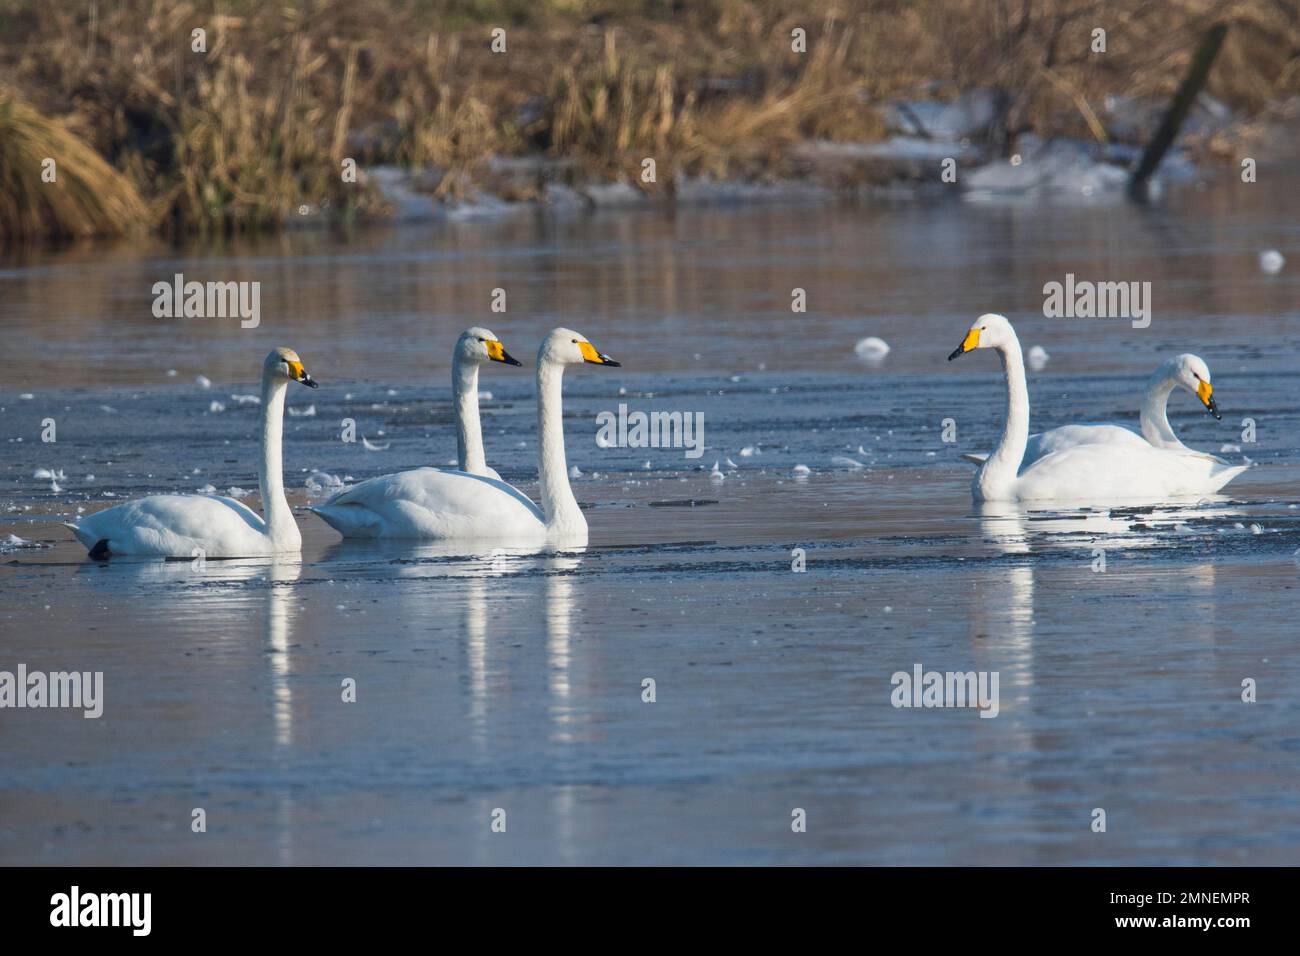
300,374
497,353
1205,392
589,354
972,341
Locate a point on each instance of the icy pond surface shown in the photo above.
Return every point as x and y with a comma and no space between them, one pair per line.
514,680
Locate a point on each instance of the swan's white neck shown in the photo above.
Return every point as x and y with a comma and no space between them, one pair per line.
1155,405
563,516
280,526
998,474
469,432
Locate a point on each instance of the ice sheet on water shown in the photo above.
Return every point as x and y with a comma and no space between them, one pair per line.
1061,169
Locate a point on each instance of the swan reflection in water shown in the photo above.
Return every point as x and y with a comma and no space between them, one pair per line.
199,601
485,572
1014,529
1002,603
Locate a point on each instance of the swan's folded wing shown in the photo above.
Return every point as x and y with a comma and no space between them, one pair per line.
431,503
1111,472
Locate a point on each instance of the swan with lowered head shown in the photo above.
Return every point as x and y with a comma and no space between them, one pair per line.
184,526
1090,472
438,504
475,347
1182,371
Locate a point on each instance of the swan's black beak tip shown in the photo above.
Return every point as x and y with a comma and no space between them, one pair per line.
511,360
955,352
309,381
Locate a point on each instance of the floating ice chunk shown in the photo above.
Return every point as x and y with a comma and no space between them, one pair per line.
246,399
801,471
207,490
14,543
747,451
1271,261
236,492
308,412
47,474
1229,449
171,373
871,349
202,381
1038,358
369,445
716,474
731,464
843,461
484,395
26,396
320,484
214,407
575,472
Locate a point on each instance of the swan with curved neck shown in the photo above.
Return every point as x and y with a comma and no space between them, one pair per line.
1127,469
441,504
475,347
213,526
1185,371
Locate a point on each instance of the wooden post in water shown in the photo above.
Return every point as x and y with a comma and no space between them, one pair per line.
1179,106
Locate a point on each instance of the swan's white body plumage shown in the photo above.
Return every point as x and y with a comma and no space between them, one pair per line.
1102,462
445,504
177,525
434,504
184,526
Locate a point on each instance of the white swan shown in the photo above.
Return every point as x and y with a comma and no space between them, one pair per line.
438,504
184,526
1183,371
475,347
1089,472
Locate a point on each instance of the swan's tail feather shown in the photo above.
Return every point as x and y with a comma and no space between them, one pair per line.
351,521
975,459
86,536
1224,475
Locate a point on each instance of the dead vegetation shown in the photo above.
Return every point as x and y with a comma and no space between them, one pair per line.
244,132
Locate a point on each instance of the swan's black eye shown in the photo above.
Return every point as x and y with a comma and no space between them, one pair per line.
984,328
481,339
